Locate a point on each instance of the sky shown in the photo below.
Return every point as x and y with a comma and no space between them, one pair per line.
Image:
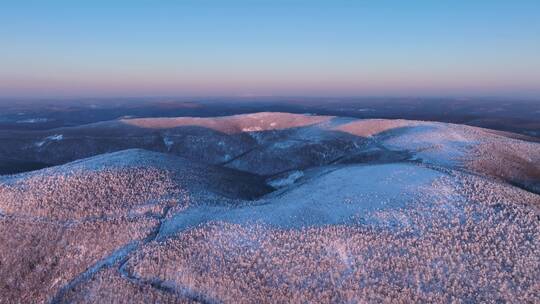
269,48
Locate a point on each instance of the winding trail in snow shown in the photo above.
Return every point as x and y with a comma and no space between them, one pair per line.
118,259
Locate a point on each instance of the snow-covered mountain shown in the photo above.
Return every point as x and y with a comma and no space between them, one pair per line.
270,207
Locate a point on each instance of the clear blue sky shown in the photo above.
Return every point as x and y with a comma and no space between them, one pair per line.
201,47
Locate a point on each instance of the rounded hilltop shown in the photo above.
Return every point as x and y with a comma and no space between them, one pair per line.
294,207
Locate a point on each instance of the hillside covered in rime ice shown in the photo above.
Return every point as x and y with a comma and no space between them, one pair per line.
270,207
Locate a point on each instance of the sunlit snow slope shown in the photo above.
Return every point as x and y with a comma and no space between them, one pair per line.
270,207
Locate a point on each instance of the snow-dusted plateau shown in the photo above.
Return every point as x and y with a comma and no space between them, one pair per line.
270,207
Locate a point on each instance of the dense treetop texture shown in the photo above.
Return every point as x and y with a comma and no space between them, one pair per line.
270,207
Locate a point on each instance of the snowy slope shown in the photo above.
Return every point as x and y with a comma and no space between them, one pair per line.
272,143
69,221
336,195
382,232
270,207
481,151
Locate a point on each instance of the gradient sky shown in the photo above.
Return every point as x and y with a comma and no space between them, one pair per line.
241,48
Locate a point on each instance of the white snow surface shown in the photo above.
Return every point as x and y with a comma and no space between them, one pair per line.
168,142
339,195
32,120
55,137
339,173
287,180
